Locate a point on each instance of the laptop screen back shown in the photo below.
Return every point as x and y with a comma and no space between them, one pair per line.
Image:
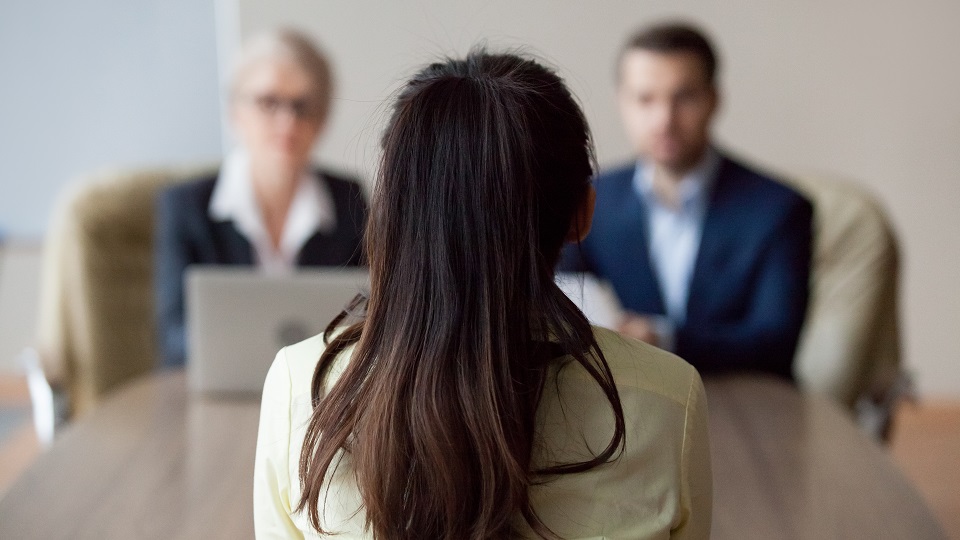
238,318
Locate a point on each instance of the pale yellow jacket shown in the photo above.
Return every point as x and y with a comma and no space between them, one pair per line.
660,487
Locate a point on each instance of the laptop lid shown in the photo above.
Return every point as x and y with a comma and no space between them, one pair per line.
239,317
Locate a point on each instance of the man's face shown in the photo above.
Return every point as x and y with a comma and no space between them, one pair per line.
667,104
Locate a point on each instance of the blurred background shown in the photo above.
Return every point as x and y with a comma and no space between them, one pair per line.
863,90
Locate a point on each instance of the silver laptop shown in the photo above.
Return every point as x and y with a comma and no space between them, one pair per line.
238,318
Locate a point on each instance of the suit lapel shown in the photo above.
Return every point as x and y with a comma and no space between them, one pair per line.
234,248
650,289
315,251
322,249
716,240
637,284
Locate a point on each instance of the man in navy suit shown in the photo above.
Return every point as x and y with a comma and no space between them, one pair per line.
709,258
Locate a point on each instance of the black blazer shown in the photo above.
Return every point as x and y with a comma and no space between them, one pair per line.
750,282
185,235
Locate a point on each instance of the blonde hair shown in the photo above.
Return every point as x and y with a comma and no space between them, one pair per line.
292,45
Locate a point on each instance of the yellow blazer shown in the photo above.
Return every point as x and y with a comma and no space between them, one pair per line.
660,487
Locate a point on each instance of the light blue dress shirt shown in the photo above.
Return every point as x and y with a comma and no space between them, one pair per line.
673,236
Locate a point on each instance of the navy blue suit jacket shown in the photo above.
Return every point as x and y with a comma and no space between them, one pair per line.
185,235
750,283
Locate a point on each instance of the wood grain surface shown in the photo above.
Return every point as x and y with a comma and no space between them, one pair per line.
156,462
793,466
152,462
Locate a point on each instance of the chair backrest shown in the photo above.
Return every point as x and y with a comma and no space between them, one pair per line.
850,346
96,327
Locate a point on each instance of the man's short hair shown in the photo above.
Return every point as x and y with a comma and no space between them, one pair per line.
674,37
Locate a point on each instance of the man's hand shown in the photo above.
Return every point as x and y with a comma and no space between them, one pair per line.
639,327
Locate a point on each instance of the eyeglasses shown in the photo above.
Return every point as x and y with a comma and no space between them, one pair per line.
300,108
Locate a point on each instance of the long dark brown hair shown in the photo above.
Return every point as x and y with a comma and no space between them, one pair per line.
486,161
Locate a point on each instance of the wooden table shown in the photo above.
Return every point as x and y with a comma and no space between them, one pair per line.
151,462
794,466
154,462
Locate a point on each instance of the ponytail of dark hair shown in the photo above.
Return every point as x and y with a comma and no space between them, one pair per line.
486,161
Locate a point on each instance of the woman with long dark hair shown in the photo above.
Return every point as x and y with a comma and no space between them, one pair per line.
471,399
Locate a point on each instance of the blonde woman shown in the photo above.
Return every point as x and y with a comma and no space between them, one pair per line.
267,206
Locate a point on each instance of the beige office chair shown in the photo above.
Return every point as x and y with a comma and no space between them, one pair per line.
96,328
850,345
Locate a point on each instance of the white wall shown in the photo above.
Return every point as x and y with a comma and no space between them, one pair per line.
861,89
86,85
19,290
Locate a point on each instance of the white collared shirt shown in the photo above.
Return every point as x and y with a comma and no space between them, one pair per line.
674,233
311,211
